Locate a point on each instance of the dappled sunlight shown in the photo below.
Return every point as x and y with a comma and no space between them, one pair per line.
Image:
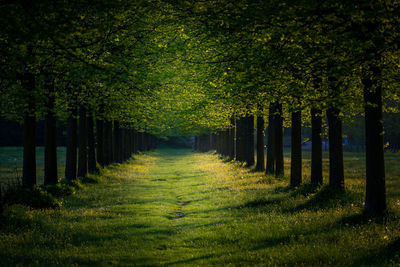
231,176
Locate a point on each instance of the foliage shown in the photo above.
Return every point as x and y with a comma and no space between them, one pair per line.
174,68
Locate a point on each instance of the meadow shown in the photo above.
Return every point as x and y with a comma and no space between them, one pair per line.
178,207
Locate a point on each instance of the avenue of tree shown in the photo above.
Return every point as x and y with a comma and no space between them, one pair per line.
121,74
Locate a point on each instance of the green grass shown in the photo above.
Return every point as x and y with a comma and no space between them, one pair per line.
176,207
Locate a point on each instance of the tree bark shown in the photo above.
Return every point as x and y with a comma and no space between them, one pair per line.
204,142
100,139
116,142
135,142
223,143
122,144
72,144
218,142
127,143
245,140
296,158
140,141
108,152
270,166
336,171
213,144
239,140
146,142
29,161
260,143
83,143
249,148
226,144
50,149
375,198
195,143
316,149
231,140
279,163
130,139
198,143
92,168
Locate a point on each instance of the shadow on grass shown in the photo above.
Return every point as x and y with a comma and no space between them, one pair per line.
285,191
258,203
225,159
190,260
373,257
304,190
385,254
324,198
362,218
119,234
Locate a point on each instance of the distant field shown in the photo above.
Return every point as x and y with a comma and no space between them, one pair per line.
11,163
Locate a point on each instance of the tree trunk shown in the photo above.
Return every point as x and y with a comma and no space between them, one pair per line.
135,142
108,152
116,145
260,143
83,143
212,141
92,168
218,142
270,167
130,139
100,140
146,142
239,140
222,140
249,137
195,143
336,171
296,159
279,163
204,142
50,137
72,144
375,198
122,144
198,143
245,140
127,144
1,200
316,149
29,162
131,142
231,141
140,141
225,142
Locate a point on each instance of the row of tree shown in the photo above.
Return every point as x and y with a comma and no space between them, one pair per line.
172,68
302,61
65,62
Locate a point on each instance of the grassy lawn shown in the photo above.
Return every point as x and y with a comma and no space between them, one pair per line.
176,207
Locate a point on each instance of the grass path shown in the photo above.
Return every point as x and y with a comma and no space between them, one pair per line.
176,207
